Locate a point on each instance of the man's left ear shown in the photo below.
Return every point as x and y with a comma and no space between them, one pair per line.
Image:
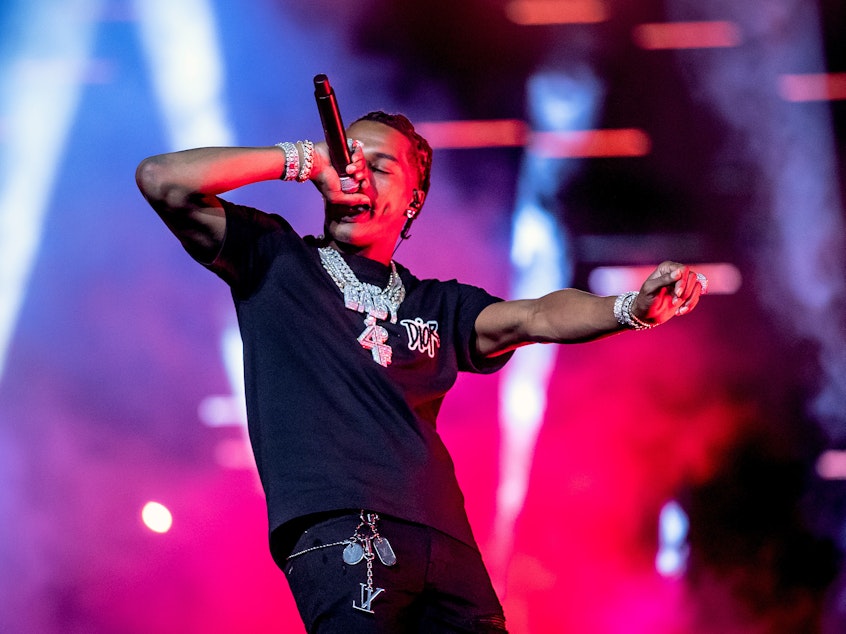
415,204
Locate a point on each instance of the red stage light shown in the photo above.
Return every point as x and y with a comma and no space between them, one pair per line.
813,87
513,133
535,12
675,35
591,143
474,134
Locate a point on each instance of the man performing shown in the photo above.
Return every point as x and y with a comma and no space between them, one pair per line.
347,359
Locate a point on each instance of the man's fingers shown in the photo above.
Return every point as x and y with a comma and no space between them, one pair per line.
692,300
666,275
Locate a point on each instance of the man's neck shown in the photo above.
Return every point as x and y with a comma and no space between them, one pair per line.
373,252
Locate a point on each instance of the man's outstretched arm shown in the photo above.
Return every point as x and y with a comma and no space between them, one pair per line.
573,316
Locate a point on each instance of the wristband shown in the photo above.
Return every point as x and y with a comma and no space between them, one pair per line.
304,172
623,312
292,161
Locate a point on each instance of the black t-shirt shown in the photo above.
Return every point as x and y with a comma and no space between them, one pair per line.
332,429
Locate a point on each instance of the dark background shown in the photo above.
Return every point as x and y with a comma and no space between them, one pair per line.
118,341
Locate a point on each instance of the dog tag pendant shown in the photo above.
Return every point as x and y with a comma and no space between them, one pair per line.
353,553
384,550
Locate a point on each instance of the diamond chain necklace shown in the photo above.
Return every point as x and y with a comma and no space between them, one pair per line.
375,302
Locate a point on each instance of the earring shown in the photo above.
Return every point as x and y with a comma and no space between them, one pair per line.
411,213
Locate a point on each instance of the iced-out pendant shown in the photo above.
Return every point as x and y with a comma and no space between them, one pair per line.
373,338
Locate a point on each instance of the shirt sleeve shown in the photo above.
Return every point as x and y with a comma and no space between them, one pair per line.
472,301
246,252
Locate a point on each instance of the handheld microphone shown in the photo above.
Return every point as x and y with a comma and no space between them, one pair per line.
333,130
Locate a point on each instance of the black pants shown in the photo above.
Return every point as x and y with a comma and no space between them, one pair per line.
438,584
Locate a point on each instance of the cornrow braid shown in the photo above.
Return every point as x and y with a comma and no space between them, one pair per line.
423,150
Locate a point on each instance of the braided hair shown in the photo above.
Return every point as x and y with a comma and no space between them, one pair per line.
423,151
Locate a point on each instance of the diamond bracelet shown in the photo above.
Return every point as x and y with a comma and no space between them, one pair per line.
623,312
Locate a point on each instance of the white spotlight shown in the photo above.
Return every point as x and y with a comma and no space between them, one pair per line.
156,517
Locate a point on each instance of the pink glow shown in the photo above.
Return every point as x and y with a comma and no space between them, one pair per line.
831,465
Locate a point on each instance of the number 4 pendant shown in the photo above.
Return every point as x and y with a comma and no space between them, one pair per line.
373,338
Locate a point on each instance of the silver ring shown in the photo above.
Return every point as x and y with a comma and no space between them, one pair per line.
703,281
349,185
